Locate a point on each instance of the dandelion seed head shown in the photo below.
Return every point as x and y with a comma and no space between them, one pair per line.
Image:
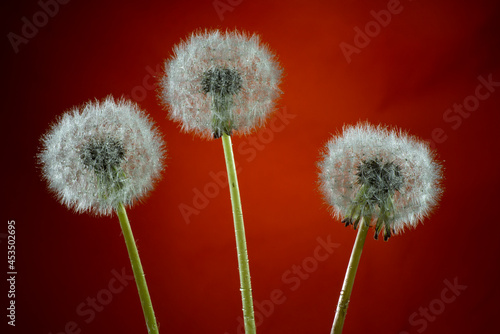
219,82
102,154
380,174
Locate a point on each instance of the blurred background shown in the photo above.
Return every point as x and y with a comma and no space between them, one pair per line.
431,68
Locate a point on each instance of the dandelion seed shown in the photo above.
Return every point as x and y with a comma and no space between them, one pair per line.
218,83
376,173
102,154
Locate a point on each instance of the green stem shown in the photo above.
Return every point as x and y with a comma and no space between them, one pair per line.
345,294
241,245
140,278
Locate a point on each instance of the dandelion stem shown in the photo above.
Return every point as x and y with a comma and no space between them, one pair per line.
345,293
139,276
241,245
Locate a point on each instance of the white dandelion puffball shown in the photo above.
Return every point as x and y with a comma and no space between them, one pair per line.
375,173
102,154
219,82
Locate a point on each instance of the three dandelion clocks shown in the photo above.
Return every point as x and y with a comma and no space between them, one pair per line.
101,157
215,85
374,176
106,155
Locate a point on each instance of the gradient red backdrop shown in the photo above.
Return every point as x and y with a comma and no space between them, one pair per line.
405,70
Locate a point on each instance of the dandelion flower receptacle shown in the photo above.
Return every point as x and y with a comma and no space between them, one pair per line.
100,157
375,176
218,84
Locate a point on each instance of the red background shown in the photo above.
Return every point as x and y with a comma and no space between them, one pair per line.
427,58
